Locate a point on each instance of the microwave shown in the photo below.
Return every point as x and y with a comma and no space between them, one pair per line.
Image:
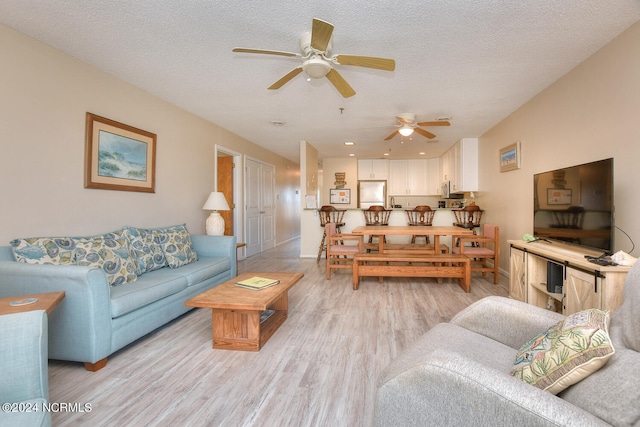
445,189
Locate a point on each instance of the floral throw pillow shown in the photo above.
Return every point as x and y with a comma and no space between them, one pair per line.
147,254
111,253
44,250
567,352
176,245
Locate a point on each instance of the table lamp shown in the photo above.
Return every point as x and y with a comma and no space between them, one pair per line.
215,223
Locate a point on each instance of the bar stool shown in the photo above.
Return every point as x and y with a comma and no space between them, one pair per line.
468,217
420,215
328,213
376,215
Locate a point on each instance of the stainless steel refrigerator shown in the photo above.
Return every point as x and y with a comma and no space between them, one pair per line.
371,193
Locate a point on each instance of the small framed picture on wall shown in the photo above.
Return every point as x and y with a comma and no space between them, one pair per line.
340,196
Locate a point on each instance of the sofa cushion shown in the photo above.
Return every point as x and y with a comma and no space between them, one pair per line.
111,253
147,253
44,250
176,245
612,393
449,337
149,288
567,352
203,269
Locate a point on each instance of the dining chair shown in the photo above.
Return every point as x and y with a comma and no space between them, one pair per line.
327,214
420,215
481,249
341,245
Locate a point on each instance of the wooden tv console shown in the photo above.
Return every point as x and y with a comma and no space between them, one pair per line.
585,284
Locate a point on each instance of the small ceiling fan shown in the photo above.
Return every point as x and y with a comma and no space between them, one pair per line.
407,125
316,54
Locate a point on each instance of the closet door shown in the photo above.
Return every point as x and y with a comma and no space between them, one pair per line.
259,207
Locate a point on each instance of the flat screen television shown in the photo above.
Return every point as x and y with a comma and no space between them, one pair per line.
575,205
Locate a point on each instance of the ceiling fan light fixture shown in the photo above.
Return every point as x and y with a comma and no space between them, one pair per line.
405,130
316,68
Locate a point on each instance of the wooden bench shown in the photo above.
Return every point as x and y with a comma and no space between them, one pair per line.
407,248
413,265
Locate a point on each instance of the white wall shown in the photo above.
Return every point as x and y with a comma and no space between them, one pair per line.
45,95
590,114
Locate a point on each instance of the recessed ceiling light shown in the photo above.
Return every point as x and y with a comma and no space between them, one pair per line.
277,122
349,143
386,154
422,153
351,155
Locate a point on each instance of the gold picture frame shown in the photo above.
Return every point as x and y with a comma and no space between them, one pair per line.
510,157
118,156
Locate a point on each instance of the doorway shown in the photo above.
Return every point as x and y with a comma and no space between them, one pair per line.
260,206
228,181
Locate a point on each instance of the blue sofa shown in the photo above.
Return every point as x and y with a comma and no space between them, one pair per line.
24,388
94,320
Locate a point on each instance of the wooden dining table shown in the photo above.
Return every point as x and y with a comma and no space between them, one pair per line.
410,230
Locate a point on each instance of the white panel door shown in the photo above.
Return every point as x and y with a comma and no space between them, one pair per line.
260,207
268,207
252,207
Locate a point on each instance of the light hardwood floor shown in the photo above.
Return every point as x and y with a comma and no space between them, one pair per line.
319,369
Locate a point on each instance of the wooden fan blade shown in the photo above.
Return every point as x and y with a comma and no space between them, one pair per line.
291,74
436,123
424,133
391,135
340,83
367,61
320,34
263,51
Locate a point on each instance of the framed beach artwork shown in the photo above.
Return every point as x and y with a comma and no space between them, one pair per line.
119,156
510,157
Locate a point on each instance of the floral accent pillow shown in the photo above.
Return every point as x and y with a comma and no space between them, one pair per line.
567,352
147,254
176,244
111,253
44,250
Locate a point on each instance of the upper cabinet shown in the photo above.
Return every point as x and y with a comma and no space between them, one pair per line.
433,176
459,165
414,177
373,169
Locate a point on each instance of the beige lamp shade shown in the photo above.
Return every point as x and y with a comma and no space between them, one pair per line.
215,223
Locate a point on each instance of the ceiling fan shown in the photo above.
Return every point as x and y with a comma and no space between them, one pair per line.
407,125
317,60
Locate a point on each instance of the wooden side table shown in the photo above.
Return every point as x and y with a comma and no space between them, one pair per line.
47,301
238,246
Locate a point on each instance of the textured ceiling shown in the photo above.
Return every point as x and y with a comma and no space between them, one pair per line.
475,61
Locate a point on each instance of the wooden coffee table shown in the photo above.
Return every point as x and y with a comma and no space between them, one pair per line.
236,311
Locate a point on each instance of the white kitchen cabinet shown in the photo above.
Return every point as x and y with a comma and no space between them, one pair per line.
369,169
460,165
433,176
408,177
